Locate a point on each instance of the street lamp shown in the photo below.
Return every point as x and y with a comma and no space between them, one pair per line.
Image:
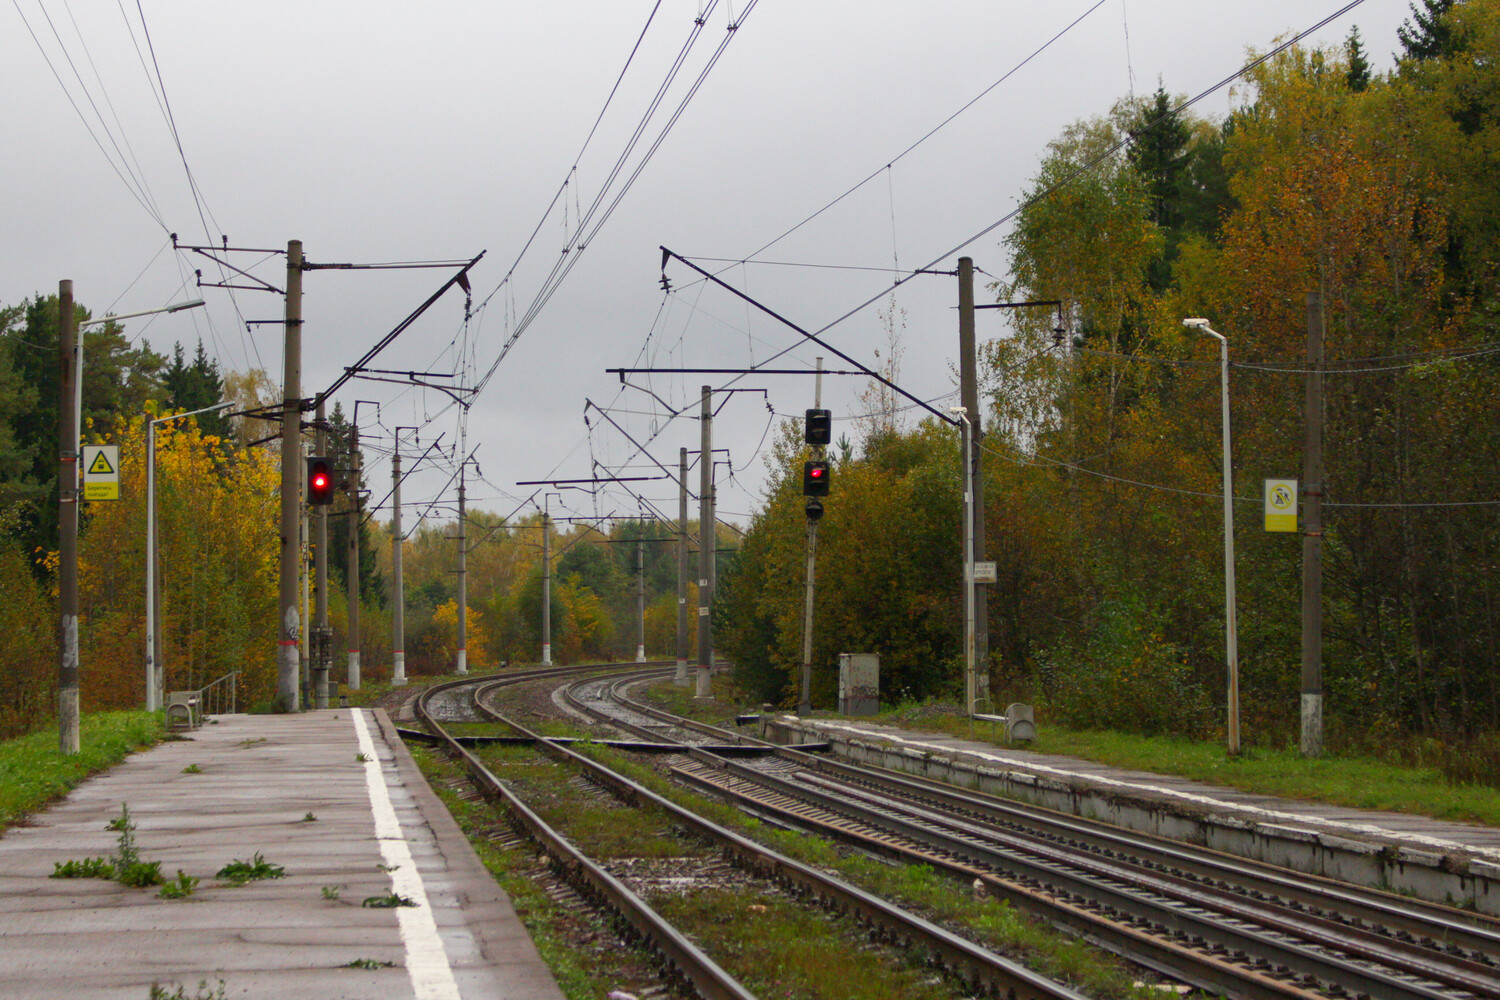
968,434
78,358
1231,626
154,672
71,429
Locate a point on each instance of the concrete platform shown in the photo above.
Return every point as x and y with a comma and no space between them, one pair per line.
1453,863
293,789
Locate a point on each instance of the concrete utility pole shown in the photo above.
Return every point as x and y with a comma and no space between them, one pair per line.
67,524
291,486
462,666
680,679
707,541
320,557
352,639
1312,535
968,376
304,609
546,585
640,597
398,611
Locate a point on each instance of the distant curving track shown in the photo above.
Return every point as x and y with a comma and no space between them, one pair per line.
1217,922
463,700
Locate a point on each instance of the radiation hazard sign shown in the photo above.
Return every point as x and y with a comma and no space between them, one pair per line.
101,472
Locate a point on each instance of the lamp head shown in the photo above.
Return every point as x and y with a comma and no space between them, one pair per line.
1196,323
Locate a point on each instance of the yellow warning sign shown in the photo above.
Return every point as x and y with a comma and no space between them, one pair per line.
101,472
1281,505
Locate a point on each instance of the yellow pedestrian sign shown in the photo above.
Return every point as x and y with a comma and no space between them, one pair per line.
1281,505
101,472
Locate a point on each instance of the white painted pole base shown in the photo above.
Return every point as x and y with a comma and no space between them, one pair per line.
680,679
463,661
546,654
1312,725
705,689
353,670
398,669
640,654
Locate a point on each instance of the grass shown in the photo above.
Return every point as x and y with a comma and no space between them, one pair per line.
1355,782
943,900
554,928
34,772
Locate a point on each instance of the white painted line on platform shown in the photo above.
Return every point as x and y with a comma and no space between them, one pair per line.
1175,793
426,959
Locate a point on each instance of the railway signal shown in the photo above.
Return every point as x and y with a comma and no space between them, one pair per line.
815,479
818,428
319,482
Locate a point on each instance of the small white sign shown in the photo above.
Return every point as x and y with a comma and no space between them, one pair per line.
101,472
984,572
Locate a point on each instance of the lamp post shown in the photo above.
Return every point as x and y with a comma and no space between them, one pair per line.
70,425
968,435
1231,625
154,672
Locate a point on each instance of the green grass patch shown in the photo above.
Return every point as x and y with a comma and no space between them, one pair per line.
1355,782
943,900
554,929
34,772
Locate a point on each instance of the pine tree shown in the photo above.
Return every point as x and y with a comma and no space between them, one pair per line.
1159,155
1432,35
1359,67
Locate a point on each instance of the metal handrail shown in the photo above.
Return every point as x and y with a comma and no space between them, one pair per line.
220,697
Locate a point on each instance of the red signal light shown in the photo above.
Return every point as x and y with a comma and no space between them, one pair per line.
815,478
319,482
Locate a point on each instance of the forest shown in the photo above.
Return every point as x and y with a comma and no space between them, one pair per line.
1380,192
1102,448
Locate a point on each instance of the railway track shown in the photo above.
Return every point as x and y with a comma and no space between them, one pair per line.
977,967
1219,923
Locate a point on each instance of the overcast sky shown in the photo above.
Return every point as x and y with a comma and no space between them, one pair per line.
384,132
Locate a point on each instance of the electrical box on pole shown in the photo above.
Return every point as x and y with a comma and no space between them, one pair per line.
818,429
815,478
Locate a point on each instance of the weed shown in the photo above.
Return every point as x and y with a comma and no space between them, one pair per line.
332,891
179,888
245,744
370,964
126,853
160,992
387,868
89,868
361,758
140,874
390,899
239,872
309,818
192,769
